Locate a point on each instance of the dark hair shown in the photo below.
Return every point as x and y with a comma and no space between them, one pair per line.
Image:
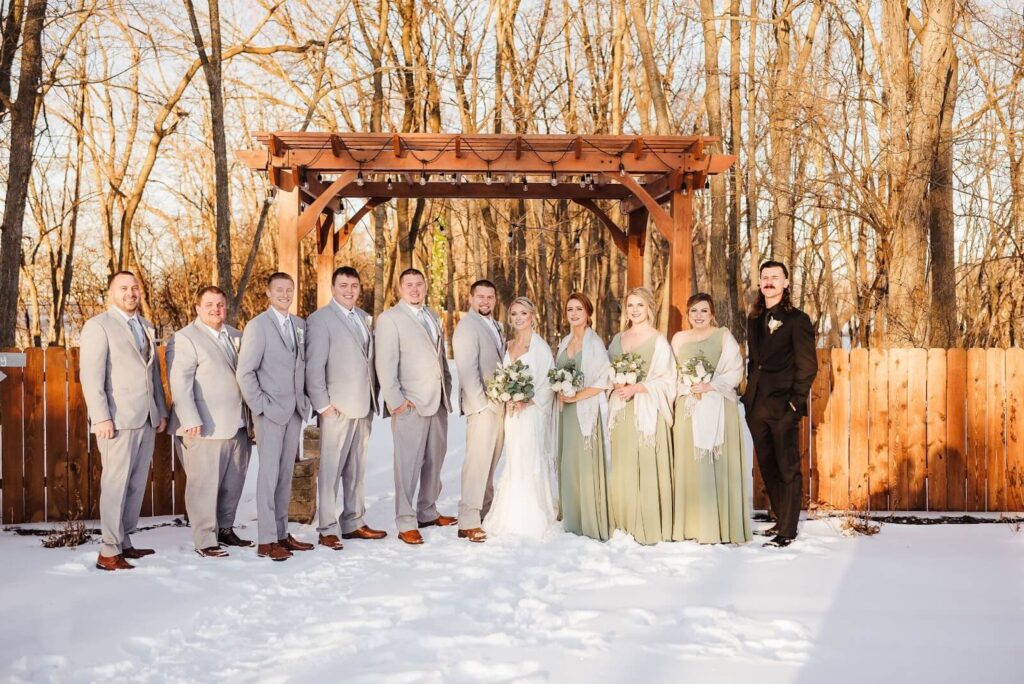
759,304
411,271
701,297
112,276
483,282
207,289
583,299
344,271
279,275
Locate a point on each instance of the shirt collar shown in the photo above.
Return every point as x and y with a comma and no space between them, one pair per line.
281,320
215,333
347,312
126,316
415,309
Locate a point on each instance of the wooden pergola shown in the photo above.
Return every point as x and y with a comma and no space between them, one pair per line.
653,178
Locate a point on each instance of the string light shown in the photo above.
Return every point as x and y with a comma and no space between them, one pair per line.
360,181
423,178
389,182
622,169
554,179
488,179
583,181
525,186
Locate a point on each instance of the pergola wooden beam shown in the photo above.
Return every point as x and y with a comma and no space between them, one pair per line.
641,173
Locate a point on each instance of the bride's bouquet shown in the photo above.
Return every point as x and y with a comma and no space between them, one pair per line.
627,369
567,380
511,383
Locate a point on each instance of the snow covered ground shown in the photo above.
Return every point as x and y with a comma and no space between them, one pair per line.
932,604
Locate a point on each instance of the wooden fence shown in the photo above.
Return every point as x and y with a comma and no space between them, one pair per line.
49,463
889,430
914,430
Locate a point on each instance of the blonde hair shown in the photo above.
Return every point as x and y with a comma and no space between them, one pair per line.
526,304
647,297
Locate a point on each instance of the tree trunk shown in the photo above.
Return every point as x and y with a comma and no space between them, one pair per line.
943,324
23,120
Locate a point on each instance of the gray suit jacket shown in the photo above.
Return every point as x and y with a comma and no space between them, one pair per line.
409,364
204,390
477,354
272,378
338,370
118,383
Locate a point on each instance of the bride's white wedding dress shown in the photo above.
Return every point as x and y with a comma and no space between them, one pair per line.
523,502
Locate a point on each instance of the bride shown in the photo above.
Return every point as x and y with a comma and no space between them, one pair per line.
523,503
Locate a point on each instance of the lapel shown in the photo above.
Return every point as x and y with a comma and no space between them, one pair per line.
407,311
336,308
272,317
490,326
122,323
213,347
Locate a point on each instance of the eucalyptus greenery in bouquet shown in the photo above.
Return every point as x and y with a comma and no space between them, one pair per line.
566,380
511,383
627,369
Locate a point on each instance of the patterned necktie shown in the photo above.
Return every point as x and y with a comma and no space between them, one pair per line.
229,348
357,326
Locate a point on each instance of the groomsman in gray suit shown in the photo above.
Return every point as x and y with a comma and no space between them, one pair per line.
210,419
412,367
479,347
341,382
120,373
271,373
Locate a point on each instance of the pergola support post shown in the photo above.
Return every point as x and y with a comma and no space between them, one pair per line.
324,258
680,256
637,239
288,210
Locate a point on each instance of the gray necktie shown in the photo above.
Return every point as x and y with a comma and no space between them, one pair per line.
229,348
426,325
357,327
140,337
289,337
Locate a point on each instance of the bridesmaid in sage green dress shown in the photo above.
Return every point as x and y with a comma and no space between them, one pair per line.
640,488
583,464
712,498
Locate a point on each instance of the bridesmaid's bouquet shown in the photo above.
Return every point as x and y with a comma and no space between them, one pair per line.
627,369
567,380
696,369
513,382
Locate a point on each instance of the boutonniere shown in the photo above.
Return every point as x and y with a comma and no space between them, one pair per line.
773,325
300,335
236,343
369,322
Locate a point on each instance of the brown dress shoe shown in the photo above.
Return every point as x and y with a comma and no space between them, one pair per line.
411,537
474,535
440,521
274,552
135,554
331,541
212,552
293,544
113,563
365,532
227,537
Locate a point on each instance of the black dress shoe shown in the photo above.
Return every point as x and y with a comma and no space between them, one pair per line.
779,542
135,554
772,531
227,537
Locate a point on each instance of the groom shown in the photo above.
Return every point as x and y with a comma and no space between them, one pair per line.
479,347
781,365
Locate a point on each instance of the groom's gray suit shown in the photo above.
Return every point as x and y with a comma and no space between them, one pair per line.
204,389
340,373
412,365
271,374
121,383
479,348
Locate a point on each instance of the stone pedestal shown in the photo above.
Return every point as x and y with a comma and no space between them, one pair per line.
302,507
